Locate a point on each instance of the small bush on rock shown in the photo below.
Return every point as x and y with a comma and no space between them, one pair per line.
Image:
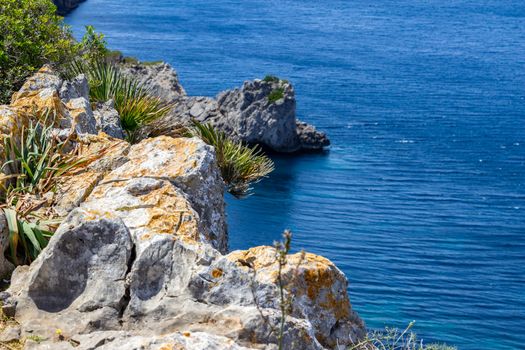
240,165
276,95
395,339
31,34
271,79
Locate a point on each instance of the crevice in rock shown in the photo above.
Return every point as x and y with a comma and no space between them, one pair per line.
124,301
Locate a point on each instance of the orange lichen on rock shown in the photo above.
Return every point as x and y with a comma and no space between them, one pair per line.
162,156
304,274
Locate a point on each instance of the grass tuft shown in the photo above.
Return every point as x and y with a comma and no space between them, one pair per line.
135,103
34,160
240,165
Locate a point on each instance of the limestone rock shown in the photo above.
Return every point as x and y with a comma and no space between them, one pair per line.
10,333
95,275
246,114
78,282
317,288
190,165
310,138
5,266
160,78
108,120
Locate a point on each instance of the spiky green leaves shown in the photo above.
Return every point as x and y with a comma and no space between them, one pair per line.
240,165
136,104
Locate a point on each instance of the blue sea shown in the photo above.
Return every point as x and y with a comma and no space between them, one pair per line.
421,198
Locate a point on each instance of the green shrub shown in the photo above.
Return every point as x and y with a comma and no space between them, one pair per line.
240,165
31,34
34,160
276,95
26,239
93,46
271,79
136,105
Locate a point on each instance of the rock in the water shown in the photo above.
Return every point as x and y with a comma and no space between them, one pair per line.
261,112
310,138
251,116
159,78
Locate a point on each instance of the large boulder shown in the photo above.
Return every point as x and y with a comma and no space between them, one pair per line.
260,112
99,280
159,78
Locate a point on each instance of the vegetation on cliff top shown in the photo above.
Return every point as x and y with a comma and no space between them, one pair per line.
31,35
240,165
136,104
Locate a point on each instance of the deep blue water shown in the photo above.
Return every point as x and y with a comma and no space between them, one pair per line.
421,199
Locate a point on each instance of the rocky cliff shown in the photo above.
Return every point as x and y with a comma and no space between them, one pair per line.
66,6
261,112
140,259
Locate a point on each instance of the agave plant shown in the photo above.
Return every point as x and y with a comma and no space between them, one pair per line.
136,104
240,165
34,163
26,239
35,160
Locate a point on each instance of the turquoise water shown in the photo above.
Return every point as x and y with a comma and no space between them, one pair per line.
421,199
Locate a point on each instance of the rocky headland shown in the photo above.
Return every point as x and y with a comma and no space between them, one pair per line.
261,112
140,259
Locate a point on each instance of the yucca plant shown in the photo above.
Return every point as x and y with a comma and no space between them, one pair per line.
135,103
240,165
26,239
34,163
35,160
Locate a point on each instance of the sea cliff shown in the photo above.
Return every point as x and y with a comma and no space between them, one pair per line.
140,259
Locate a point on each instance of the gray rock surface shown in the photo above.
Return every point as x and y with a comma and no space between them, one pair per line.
159,78
97,276
137,264
108,120
5,265
247,114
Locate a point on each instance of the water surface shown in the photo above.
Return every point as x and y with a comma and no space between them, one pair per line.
421,199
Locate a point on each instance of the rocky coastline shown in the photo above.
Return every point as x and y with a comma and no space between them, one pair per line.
261,112
141,260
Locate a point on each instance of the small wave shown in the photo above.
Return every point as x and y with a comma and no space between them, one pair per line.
405,141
